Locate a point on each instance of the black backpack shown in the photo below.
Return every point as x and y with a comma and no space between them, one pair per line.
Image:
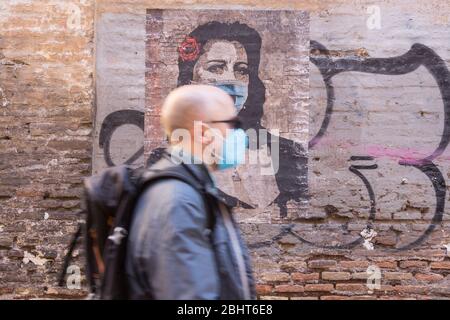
109,200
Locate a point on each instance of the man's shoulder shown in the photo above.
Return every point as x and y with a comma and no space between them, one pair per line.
171,202
170,190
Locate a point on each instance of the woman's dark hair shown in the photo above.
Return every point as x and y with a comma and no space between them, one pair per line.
253,110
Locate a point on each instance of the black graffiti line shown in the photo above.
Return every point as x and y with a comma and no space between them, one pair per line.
368,167
356,158
288,229
439,186
437,180
355,170
418,55
324,64
285,229
111,123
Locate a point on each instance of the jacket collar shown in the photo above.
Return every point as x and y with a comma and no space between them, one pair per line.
199,170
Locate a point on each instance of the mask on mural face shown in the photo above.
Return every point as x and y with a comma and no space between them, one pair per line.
237,90
233,149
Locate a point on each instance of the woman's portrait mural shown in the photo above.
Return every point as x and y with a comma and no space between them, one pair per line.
268,81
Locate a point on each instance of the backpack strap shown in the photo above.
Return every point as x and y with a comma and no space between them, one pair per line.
185,174
176,172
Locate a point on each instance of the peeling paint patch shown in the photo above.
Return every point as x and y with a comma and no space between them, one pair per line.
46,215
368,234
447,247
4,101
28,257
51,163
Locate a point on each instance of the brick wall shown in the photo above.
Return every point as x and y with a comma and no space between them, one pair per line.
378,153
46,88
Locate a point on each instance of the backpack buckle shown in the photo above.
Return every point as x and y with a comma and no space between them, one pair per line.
117,236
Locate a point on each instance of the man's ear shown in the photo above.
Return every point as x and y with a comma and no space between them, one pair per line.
207,136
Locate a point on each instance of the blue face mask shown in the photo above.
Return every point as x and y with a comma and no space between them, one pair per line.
237,90
233,149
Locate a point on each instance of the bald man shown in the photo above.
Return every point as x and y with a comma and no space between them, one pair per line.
184,242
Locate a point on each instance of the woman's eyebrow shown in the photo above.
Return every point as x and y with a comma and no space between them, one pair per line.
221,61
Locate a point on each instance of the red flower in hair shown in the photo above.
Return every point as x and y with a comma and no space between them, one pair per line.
189,49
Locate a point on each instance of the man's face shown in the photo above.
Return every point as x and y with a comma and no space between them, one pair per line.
216,127
218,117
197,117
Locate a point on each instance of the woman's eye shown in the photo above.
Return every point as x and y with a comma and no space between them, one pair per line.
242,70
217,68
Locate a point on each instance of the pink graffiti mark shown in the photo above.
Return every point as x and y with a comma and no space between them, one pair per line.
403,155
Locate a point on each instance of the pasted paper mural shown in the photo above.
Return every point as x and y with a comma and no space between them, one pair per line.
261,59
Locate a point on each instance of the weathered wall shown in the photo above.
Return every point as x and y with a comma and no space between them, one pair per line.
366,115
277,80
378,149
46,89
120,90
383,118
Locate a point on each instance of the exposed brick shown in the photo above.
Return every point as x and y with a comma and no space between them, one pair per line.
396,297
347,298
440,265
319,287
354,264
5,242
354,287
387,240
46,102
263,289
275,277
397,276
321,264
407,216
305,277
293,266
273,298
6,290
265,265
360,275
289,288
28,293
336,276
363,297
64,293
413,264
304,298
14,253
412,289
48,143
429,277
334,298
384,288
386,264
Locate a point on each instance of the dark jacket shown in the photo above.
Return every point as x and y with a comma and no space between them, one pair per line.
178,249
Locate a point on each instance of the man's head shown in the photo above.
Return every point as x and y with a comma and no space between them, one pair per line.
194,115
